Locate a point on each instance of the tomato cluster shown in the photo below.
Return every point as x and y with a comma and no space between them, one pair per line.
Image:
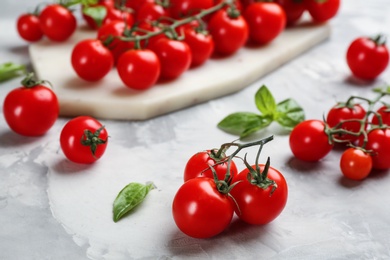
214,190
365,131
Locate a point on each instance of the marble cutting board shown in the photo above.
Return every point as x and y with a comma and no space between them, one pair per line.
110,99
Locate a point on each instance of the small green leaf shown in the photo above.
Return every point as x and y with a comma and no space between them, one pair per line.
289,113
129,197
10,70
265,101
238,122
256,126
97,13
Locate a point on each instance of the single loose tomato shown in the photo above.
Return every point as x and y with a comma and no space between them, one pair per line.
139,69
355,164
367,58
201,45
294,10
200,210
349,114
32,109
265,20
91,60
83,139
259,201
384,112
28,27
309,141
229,32
175,57
57,22
379,144
322,11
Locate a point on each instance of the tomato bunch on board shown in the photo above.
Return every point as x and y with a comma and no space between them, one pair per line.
213,191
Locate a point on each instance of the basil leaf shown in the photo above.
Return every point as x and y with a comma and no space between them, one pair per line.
265,101
10,70
238,122
97,13
256,126
129,197
289,113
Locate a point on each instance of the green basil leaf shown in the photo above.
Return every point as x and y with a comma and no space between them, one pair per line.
238,122
129,197
256,126
10,70
265,101
289,113
97,13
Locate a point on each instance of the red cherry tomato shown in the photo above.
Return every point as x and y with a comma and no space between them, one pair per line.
309,142
229,34
28,27
379,143
139,69
199,166
257,205
367,58
293,9
201,45
200,210
83,140
384,112
57,22
31,110
265,20
114,14
341,113
355,164
182,8
91,60
175,57
151,12
322,11
136,4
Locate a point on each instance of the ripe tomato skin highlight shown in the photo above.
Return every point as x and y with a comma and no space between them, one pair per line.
384,111
28,27
200,210
337,114
322,11
199,166
355,164
151,12
265,20
229,34
366,59
91,60
175,57
309,142
379,143
31,111
139,69
201,45
257,206
57,22
72,135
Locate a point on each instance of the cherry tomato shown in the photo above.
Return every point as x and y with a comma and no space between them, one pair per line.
294,10
147,26
322,11
257,205
83,140
151,12
379,143
355,164
341,113
265,20
229,33
201,45
200,210
175,57
57,22
367,58
28,27
91,22
384,112
182,8
114,14
91,60
139,69
31,110
199,166
136,4
309,142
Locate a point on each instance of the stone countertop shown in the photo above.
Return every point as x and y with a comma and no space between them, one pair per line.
51,208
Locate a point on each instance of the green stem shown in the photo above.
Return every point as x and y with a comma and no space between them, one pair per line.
10,70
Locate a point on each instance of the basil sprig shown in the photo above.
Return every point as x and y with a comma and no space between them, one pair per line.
287,113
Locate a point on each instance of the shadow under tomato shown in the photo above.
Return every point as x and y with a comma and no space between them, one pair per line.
358,82
65,166
375,175
12,139
304,167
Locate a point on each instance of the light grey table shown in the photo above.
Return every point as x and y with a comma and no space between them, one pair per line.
53,209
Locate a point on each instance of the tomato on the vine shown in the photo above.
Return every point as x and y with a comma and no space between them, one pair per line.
384,112
294,9
309,141
355,164
260,202
229,31
367,58
265,20
28,27
379,143
139,69
32,109
201,45
91,60
57,22
182,8
151,11
322,11
136,4
83,139
200,210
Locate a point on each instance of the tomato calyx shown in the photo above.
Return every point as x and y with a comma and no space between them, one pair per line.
92,139
379,40
30,81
